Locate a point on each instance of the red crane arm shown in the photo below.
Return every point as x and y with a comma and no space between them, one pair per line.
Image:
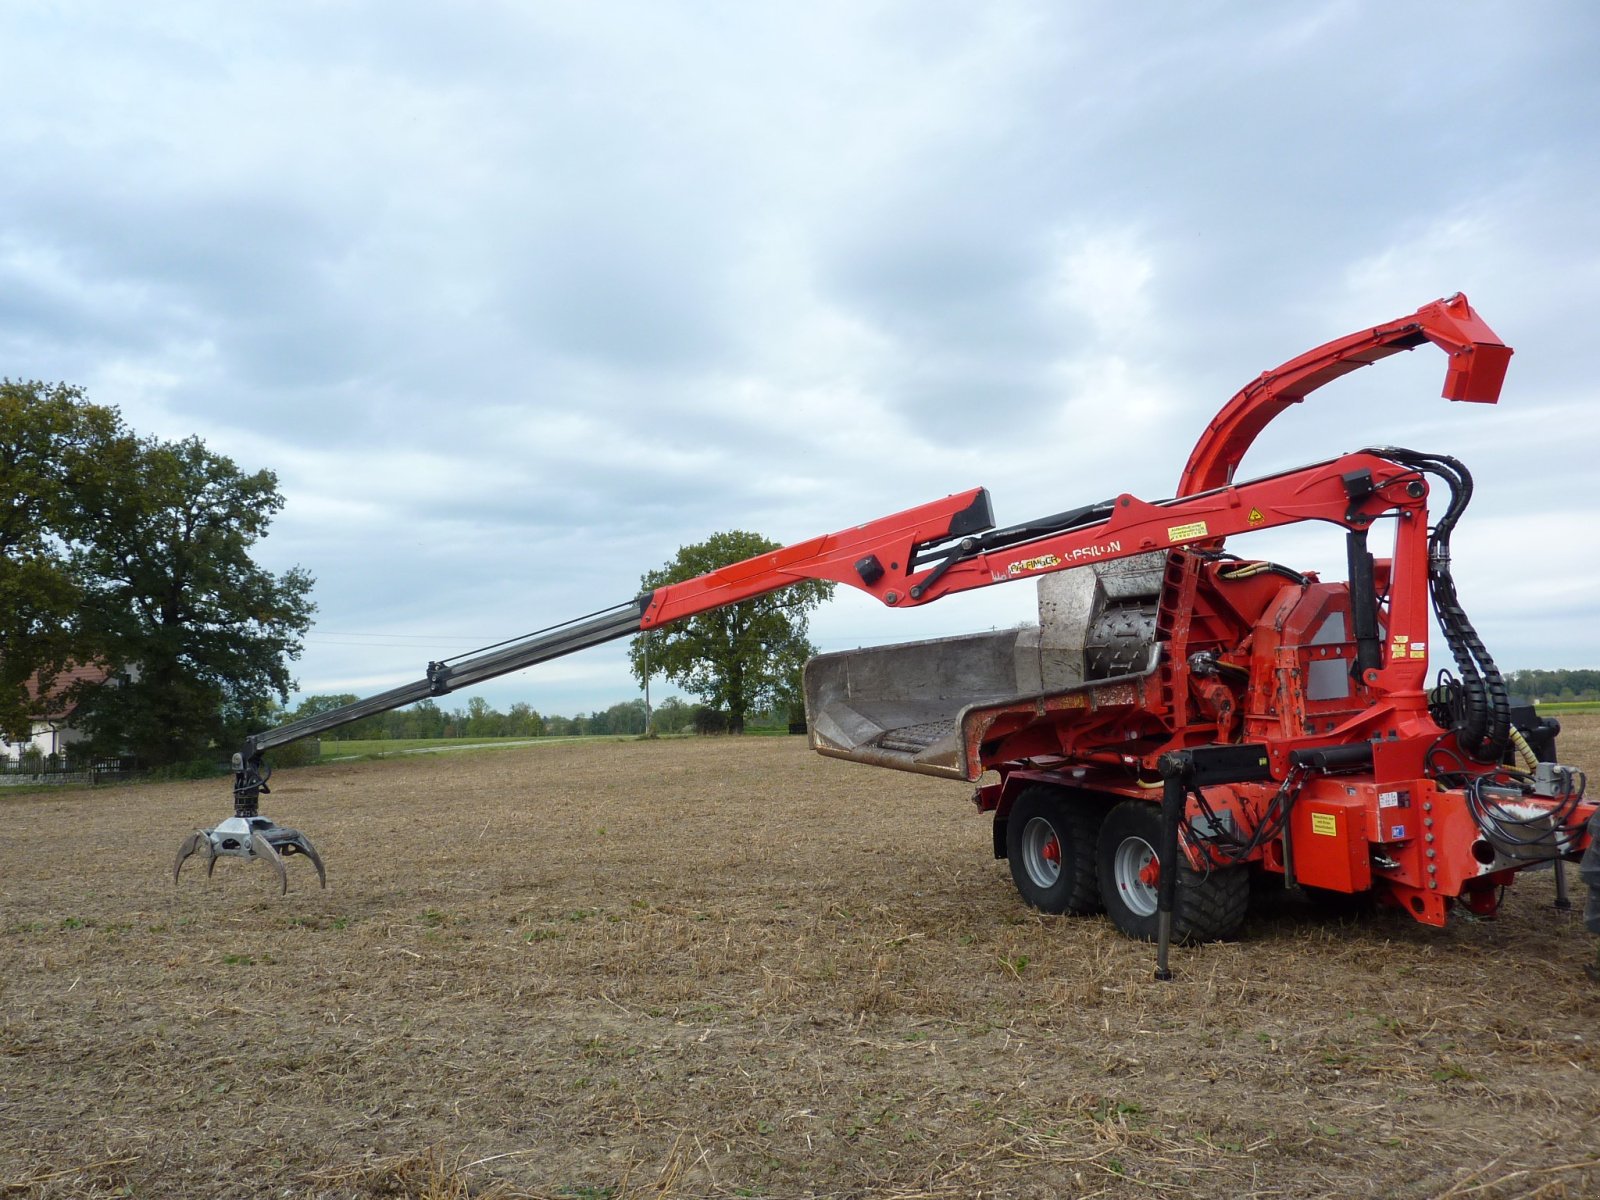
915,557
841,557
1478,360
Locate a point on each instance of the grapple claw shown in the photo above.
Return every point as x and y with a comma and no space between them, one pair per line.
292,841
316,861
190,844
261,847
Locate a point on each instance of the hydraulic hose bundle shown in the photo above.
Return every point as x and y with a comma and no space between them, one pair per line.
1476,707
1225,847
1481,719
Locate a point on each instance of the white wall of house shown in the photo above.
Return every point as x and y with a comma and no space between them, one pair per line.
49,737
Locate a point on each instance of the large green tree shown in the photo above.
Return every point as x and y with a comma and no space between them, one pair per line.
199,637
737,658
50,438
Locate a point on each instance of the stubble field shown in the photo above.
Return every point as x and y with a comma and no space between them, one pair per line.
725,968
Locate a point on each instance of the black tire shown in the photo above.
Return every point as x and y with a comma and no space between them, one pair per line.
1050,845
1209,905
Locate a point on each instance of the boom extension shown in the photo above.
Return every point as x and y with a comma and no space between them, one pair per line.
448,675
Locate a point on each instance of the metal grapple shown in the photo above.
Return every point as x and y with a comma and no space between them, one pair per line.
247,834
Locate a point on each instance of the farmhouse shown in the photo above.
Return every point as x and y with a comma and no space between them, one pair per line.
52,730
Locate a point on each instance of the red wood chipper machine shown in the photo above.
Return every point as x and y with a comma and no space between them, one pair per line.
1183,720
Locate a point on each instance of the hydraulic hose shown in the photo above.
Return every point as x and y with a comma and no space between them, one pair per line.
1526,758
1484,729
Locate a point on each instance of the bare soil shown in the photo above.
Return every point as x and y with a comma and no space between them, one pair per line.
729,967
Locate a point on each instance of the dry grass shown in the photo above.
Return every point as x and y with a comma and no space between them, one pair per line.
732,968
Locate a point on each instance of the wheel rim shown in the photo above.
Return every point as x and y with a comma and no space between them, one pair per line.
1137,872
1041,852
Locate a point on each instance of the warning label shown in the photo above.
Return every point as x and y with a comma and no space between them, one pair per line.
1185,533
1326,824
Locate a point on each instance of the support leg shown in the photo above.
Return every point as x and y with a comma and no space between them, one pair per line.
1175,773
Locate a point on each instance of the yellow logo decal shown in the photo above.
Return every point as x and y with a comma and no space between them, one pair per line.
1185,533
1325,823
1033,564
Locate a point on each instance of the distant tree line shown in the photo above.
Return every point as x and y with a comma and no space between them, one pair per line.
479,719
1580,684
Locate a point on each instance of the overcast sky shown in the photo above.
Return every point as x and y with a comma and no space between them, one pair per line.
517,298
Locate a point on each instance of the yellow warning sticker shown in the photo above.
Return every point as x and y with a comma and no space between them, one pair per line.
1255,516
1184,533
1327,824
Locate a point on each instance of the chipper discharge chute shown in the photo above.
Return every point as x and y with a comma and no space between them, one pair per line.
1182,720
924,706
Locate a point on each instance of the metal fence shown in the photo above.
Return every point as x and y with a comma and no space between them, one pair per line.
52,768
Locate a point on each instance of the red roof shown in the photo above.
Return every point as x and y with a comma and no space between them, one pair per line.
52,704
